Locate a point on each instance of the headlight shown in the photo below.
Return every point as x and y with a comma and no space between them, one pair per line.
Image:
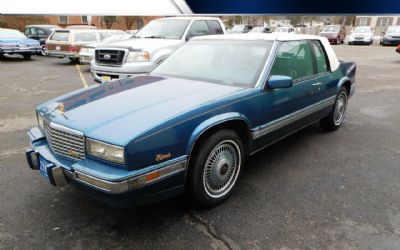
40,120
105,151
138,56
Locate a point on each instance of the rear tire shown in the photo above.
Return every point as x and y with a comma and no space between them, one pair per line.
74,60
27,56
333,121
214,168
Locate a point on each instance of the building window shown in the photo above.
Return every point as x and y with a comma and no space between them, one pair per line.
363,21
384,21
63,19
84,19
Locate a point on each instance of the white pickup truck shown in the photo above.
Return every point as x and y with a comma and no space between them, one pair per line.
150,46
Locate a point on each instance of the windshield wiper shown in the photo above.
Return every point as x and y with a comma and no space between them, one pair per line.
154,37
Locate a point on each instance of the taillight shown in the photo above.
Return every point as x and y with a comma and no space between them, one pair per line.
72,48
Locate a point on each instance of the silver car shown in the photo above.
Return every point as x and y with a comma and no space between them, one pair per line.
152,44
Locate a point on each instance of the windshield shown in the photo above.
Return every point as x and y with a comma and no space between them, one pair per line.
393,29
163,28
362,30
331,29
237,28
257,29
236,63
282,29
11,34
85,37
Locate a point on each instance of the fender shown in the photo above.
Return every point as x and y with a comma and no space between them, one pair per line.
211,122
342,81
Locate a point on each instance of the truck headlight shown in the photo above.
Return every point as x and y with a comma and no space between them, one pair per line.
138,56
40,120
105,151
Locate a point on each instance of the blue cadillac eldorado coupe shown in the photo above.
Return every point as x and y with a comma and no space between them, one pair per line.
188,125
14,42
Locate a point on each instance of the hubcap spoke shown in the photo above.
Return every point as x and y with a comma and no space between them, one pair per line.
221,168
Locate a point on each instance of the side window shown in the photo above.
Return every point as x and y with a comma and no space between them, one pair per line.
41,32
27,31
293,59
320,57
33,32
215,27
198,28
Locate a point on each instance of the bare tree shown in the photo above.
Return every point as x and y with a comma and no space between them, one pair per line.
109,21
19,22
128,21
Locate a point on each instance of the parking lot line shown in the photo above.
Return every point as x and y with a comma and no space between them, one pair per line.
78,68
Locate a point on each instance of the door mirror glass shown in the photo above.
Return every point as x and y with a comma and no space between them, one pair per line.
279,82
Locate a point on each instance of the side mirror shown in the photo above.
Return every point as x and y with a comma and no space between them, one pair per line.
280,82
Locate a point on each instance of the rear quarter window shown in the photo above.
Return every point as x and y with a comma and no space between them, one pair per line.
60,36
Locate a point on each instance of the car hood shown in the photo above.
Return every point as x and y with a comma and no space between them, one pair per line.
330,33
19,41
361,34
119,111
392,34
142,43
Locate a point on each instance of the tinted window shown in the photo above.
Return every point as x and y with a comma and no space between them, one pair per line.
60,36
27,31
85,37
293,59
198,28
41,32
320,57
215,27
236,63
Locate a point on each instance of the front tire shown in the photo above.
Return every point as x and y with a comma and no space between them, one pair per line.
27,56
215,168
333,121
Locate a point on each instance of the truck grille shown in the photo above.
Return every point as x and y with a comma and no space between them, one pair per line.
109,57
65,141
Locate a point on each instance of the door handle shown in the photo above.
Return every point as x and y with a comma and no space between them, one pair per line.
317,84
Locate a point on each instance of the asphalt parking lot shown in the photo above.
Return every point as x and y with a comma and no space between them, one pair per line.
312,190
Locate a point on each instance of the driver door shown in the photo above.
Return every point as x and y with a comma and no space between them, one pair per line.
284,110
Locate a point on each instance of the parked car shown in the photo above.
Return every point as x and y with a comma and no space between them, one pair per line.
240,28
154,43
188,125
40,32
259,29
81,27
362,35
86,54
285,29
398,48
335,33
67,43
391,36
131,32
14,42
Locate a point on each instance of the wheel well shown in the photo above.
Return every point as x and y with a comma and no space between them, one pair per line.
239,126
347,85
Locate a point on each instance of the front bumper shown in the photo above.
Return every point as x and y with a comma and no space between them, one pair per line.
360,41
21,51
119,72
105,181
390,41
62,54
85,57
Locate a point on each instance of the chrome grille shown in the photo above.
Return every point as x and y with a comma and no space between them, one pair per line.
65,141
109,56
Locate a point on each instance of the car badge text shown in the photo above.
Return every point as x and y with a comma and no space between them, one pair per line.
160,157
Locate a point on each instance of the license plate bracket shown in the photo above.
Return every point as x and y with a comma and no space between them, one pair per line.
44,165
